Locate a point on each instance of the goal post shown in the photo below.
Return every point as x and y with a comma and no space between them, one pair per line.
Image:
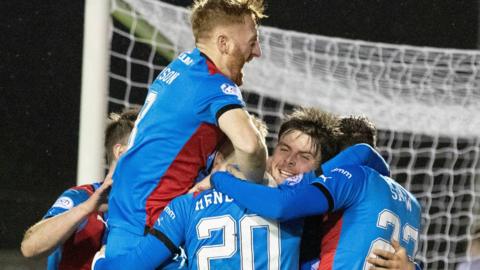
94,91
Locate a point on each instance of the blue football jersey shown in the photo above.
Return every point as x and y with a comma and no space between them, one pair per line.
369,209
78,250
175,132
219,234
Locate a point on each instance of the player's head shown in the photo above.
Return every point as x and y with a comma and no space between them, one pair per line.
304,140
117,133
225,153
356,129
226,30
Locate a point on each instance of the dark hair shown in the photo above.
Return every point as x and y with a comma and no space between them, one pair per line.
320,126
207,14
118,130
356,129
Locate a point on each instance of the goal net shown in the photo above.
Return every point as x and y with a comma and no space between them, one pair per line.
424,101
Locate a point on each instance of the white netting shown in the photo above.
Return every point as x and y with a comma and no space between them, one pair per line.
425,101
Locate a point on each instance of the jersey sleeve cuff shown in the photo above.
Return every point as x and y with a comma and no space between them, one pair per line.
227,108
327,194
165,240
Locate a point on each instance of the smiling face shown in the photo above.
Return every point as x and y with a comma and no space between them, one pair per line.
294,154
243,46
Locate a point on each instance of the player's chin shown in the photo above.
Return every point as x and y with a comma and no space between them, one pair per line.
239,79
278,177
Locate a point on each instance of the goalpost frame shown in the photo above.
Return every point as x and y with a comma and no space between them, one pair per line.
93,103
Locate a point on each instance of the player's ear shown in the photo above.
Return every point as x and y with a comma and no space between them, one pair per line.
219,160
222,43
118,150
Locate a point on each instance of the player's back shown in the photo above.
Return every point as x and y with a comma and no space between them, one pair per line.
174,134
219,234
375,211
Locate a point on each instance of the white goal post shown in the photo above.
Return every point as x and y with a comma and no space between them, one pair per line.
93,103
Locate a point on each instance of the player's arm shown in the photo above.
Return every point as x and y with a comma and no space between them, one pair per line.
314,199
148,254
276,203
46,235
358,154
250,148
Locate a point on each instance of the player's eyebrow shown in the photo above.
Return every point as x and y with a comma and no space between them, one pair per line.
283,144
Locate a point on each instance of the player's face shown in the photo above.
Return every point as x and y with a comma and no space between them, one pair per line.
245,46
294,154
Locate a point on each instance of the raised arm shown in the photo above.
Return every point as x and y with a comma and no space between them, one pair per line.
46,235
250,148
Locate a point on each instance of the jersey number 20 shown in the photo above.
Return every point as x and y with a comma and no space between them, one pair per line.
229,247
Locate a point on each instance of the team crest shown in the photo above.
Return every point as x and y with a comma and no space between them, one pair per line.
64,202
291,181
231,90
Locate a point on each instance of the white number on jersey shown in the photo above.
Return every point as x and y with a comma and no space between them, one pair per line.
149,100
227,249
387,218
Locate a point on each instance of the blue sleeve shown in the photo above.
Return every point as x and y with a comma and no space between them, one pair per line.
276,203
344,184
359,154
216,96
69,199
173,220
156,247
148,254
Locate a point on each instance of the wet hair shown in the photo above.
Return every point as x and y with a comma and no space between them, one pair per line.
208,14
320,126
356,129
118,130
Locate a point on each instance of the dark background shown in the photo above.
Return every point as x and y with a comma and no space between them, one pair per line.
40,65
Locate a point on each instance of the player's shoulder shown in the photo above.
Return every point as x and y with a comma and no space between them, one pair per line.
76,195
347,172
70,198
89,188
183,199
219,84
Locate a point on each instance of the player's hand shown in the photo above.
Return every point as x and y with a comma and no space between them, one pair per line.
202,185
98,200
397,260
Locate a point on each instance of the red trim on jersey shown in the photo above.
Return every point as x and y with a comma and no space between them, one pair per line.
88,188
332,228
180,176
78,251
212,68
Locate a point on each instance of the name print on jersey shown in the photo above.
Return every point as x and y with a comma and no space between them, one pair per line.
168,75
212,198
